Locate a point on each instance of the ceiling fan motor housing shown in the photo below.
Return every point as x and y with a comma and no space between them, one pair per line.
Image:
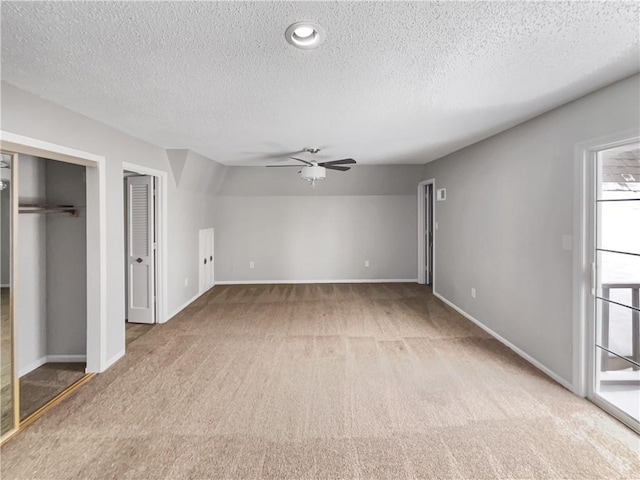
313,173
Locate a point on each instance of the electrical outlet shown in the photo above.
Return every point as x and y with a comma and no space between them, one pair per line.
186,281
252,265
366,263
473,293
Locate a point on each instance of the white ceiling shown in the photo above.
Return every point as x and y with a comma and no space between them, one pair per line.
392,83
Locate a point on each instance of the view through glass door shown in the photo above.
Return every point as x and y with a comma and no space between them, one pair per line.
617,266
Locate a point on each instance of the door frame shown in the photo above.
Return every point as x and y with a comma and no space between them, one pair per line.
96,235
584,229
162,256
422,226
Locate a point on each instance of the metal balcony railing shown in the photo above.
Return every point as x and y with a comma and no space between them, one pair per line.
610,362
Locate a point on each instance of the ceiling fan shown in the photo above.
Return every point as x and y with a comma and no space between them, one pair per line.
313,170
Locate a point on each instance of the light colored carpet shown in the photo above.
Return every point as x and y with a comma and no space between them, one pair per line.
321,381
134,331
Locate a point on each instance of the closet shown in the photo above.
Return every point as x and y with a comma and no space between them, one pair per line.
44,321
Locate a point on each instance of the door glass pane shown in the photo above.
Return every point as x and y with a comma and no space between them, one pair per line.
6,328
618,276
619,173
617,382
617,322
617,330
620,226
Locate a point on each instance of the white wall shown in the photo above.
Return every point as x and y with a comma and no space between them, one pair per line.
26,114
295,233
66,262
31,286
509,204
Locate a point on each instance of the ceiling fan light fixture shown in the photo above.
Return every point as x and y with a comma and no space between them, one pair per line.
313,173
304,35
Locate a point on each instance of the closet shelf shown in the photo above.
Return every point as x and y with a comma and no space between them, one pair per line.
43,208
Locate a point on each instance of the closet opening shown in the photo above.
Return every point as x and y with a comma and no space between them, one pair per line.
51,278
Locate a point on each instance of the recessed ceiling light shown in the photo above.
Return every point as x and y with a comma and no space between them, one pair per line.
305,35
303,32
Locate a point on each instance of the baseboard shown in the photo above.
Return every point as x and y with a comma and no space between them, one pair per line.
186,304
112,360
189,302
337,280
505,342
51,359
66,358
32,366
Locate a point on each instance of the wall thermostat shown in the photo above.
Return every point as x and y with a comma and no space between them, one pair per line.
441,194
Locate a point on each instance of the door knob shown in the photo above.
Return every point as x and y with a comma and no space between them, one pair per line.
205,261
139,260
211,258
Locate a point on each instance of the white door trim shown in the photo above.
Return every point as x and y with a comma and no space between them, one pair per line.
96,235
583,233
162,265
421,229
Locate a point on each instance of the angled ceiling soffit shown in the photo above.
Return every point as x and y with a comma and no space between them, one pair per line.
177,160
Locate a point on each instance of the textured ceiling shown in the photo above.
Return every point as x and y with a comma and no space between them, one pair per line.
392,83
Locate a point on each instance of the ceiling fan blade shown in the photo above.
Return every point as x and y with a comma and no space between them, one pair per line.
303,161
282,166
345,161
333,167
273,155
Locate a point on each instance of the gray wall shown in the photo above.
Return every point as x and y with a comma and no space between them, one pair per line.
509,204
189,210
66,261
315,238
31,283
360,180
294,232
197,180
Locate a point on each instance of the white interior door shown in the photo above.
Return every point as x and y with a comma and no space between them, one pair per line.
140,250
206,259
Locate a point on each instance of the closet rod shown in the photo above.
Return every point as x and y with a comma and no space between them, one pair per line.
27,208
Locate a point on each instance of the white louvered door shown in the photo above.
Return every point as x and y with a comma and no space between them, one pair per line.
140,250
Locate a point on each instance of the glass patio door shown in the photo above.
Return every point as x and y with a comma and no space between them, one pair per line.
617,289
